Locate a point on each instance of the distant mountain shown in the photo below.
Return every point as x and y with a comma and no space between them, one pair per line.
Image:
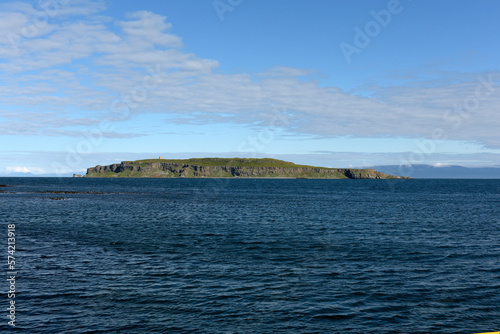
443,172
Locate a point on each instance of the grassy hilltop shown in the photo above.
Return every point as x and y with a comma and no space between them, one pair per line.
227,167
233,162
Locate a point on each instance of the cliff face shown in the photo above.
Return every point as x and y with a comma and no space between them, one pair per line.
174,170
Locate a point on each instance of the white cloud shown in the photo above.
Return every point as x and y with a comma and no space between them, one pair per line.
24,170
77,69
149,29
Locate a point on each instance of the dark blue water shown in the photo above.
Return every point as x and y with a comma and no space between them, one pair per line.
253,256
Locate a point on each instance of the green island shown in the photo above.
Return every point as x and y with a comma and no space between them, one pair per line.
229,168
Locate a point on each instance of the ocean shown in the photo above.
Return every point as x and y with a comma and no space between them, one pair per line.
251,255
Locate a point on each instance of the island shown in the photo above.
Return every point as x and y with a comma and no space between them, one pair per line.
229,168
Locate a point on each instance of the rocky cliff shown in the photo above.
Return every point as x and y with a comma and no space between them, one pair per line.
214,167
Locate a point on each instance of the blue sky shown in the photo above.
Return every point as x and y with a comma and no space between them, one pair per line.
328,83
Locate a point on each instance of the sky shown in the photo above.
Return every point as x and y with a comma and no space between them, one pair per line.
322,82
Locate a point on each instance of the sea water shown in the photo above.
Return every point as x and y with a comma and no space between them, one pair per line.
252,255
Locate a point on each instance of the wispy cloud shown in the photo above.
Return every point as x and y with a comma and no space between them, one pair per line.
80,68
